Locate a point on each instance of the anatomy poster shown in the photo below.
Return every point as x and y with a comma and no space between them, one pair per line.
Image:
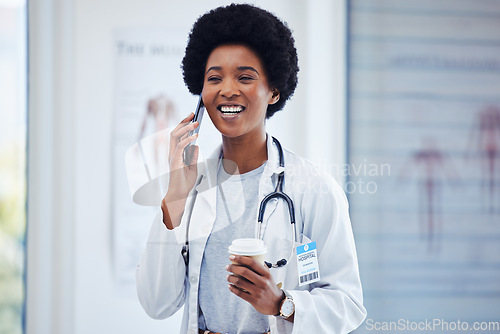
150,99
424,116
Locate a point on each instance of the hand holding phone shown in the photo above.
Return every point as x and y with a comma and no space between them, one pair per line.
198,116
183,175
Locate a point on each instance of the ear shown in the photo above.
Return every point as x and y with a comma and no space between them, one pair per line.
275,97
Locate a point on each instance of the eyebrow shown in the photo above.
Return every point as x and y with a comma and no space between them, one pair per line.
240,68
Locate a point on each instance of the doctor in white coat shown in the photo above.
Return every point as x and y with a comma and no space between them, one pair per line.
243,62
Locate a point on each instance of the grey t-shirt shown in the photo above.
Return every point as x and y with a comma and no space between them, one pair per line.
236,217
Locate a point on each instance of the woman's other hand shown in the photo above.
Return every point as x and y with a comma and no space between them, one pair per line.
252,281
182,176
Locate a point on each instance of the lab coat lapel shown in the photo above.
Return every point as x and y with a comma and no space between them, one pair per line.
203,216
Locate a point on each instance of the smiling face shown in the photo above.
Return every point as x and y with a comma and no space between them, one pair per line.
236,92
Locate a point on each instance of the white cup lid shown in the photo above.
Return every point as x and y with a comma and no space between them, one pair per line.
248,247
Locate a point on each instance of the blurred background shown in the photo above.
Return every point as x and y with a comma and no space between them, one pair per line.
398,100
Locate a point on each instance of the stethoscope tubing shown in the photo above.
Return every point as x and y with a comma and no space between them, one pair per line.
277,193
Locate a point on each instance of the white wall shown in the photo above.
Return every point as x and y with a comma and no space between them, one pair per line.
70,278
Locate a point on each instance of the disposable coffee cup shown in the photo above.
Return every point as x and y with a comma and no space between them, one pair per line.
251,247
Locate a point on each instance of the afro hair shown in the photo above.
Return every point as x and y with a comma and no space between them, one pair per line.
254,27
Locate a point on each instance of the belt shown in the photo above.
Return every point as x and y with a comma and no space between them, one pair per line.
201,331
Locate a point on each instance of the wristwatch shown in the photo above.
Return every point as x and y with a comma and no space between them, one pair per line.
287,306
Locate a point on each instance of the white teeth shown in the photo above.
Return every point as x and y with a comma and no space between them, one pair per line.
231,109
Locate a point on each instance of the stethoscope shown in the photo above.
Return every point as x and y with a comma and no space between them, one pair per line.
277,193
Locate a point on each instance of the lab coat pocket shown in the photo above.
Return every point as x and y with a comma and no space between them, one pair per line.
279,249
291,274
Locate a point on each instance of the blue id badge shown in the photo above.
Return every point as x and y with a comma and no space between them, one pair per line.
307,263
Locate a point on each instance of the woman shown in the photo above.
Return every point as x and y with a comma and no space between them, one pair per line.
243,62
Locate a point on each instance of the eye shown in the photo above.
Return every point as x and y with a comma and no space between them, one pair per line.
213,79
246,78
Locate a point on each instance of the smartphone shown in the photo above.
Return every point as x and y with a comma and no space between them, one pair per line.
198,116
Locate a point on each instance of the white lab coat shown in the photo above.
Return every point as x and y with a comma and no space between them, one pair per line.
332,305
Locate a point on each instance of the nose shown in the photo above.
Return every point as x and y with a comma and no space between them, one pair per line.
229,88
